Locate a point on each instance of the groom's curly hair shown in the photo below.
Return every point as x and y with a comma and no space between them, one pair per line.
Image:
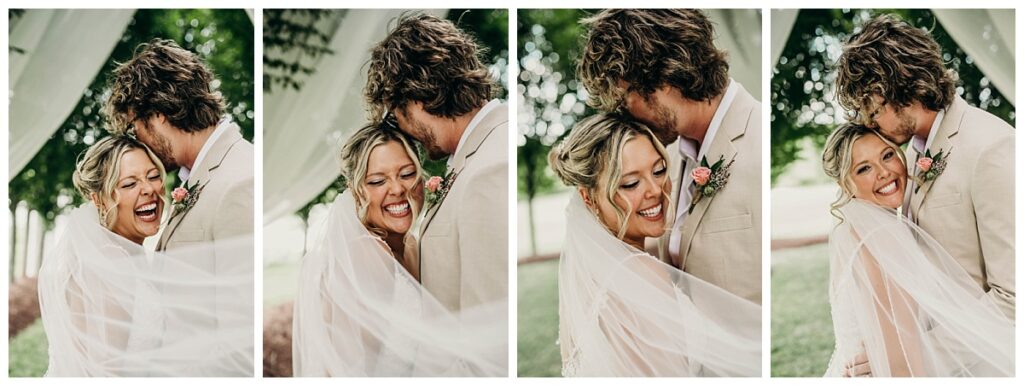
163,78
894,60
648,49
429,60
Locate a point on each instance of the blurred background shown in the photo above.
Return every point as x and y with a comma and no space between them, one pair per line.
314,66
978,44
551,101
59,61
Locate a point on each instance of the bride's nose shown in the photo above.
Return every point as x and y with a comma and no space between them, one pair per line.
395,188
654,189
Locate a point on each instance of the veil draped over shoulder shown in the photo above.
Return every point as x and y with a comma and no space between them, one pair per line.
112,308
360,313
899,297
625,313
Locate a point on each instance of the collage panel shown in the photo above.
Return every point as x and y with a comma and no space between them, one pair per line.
385,193
131,192
639,159
892,161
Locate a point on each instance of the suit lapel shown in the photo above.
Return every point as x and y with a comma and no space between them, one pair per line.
732,128
943,141
497,117
201,175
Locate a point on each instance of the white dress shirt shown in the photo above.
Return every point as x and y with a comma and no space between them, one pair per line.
222,127
691,159
919,145
491,105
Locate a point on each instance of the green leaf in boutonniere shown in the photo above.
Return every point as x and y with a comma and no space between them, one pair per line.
185,197
437,188
929,167
709,180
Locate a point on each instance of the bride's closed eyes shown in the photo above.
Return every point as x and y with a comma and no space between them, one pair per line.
131,182
630,181
408,173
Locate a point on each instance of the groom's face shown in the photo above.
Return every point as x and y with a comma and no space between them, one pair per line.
422,126
155,133
896,124
654,111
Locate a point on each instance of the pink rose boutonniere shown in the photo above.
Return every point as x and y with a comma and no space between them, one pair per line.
709,179
437,188
929,167
184,197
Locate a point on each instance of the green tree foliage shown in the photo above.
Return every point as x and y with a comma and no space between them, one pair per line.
223,38
803,97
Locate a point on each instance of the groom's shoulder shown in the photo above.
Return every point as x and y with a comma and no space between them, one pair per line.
985,128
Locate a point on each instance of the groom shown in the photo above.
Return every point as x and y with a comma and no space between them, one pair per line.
163,96
662,67
891,76
427,74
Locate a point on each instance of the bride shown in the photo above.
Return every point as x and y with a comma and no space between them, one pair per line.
360,309
622,311
901,305
111,307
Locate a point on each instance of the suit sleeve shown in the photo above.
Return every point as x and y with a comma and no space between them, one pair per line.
993,201
482,226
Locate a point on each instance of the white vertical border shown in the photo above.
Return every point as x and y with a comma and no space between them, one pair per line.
766,187
513,190
257,140
5,224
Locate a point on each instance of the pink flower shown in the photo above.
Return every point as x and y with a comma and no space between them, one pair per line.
434,183
701,175
179,194
924,163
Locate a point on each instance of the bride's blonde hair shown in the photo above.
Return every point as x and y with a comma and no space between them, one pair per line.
837,160
97,170
355,156
592,153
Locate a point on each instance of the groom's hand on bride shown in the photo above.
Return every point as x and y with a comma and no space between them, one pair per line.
858,367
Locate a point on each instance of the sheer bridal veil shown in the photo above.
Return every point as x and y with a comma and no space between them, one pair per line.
899,297
359,313
625,313
112,308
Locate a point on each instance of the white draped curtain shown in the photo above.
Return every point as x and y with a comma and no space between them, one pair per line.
58,54
739,34
304,129
987,35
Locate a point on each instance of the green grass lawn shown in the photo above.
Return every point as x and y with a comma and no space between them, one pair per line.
280,282
539,355
27,352
802,336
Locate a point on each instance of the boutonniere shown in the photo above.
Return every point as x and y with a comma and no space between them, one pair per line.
709,179
185,197
437,188
930,167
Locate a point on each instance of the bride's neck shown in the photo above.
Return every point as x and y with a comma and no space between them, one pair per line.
396,242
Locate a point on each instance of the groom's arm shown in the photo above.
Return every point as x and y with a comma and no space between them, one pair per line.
993,200
482,226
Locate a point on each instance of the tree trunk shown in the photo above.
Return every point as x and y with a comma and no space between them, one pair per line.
14,240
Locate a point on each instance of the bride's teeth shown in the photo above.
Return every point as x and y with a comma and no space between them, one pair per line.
397,209
653,212
891,187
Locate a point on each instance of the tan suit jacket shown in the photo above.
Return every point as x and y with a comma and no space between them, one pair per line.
224,211
463,242
721,238
969,208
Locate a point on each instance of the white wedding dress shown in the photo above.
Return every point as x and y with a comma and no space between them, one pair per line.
358,312
625,313
111,308
897,296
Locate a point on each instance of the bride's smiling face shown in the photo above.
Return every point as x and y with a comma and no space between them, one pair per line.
391,181
138,189
642,190
878,173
